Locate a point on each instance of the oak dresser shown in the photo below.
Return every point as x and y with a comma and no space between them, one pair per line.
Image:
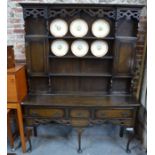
81,90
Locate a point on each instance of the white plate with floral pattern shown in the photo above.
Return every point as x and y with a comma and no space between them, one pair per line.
99,48
79,28
79,48
100,28
58,28
59,47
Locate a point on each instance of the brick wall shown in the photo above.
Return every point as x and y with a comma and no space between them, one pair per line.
141,37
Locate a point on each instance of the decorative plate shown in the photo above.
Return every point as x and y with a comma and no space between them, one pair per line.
79,48
79,28
99,48
100,28
59,47
58,27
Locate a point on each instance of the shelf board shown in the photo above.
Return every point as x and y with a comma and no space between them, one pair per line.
85,37
38,75
65,37
79,75
82,74
85,57
79,93
122,76
36,36
126,37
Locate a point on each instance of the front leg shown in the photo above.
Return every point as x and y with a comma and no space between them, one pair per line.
131,136
79,130
121,131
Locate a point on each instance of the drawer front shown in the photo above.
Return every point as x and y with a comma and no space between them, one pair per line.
11,89
79,122
125,122
49,113
79,113
128,123
115,113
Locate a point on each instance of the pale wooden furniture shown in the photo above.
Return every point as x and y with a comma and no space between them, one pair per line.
16,92
10,134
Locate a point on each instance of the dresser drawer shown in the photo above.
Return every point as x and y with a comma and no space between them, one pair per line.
49,113
79,113
115,113
128,123
79,122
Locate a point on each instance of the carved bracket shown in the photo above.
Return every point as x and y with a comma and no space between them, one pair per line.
128,14
47,121
90,12
63,12
34,12
100,13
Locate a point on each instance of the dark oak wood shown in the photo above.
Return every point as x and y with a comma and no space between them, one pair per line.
87,90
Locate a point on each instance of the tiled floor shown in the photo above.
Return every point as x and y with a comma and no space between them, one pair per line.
97,140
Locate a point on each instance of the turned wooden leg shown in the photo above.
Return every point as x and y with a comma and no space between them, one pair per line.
10,135
21,127
131,136
121,131
79,130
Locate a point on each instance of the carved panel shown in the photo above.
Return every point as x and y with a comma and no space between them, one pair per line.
34,12
91,12
128,14
101,13
63,12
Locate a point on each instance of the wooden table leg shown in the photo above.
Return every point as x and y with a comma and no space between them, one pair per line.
21,127
10,135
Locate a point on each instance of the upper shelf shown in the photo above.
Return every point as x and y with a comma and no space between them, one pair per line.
67,37
85,38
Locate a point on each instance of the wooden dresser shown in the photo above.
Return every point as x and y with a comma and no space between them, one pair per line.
81,91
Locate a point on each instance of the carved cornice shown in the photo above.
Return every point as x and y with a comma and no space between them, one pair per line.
34,12
128,14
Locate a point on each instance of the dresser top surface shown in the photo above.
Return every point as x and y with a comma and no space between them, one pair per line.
64,100
15,69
